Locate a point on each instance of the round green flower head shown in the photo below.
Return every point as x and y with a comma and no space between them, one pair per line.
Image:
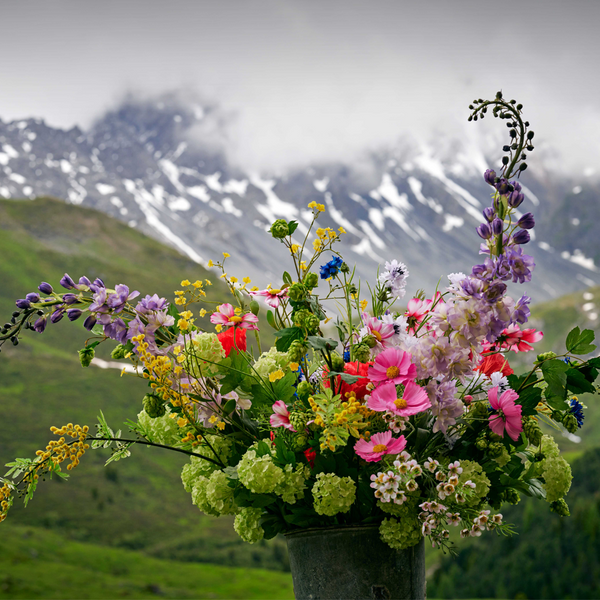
401,534
361,352
333,494
118,352
200,348
271,361
86,355
280,229
293,486
220,495
258,473
198,467
557,477
297,292
473,471
549,447
200,498
154,406
160,430
311,280
297,351
247,525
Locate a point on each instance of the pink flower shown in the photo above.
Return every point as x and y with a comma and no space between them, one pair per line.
393,365
507,415
225,315
385,398
272,297
379,330
380,444
518,340
281,416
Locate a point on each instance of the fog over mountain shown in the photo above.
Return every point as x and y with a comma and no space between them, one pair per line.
161,164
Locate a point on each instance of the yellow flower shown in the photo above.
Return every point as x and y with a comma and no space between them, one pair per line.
341,230
303,265
254,288
197,284
224,275
317,245
218,327
180,300
225,255
321,207
276,375
202,312
233,279
179,293
294,248
208,282
293,366
210,263
246,280
363,304
221,425
312,204
185,283
182,421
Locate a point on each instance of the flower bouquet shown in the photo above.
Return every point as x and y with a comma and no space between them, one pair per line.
407,419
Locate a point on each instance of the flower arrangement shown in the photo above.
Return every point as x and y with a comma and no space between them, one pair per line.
410,419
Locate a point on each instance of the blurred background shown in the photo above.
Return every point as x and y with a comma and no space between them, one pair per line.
138,140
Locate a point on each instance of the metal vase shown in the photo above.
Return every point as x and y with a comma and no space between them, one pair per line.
349,563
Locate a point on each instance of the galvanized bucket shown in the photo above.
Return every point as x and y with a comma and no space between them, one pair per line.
351,563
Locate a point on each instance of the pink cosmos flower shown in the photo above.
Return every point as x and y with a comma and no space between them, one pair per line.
518,340
272,297
508,414
379,330
385,398
225,315
393,365
380,444
281,416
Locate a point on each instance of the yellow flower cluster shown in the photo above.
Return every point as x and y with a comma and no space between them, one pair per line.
326,236
318,208
60,450
195,291
5,499
185,320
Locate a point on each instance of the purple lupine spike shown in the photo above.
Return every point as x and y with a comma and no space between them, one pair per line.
45,288
33,297
521,264
489,213
23,303
521,237
70,299
90,322
490,176
515,199
40,324
67,282
526,221
117,330
504,188
516,185
57,315
84,282
497,226
74,313
521,312
484,231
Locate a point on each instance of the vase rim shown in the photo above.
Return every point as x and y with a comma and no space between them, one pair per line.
337,528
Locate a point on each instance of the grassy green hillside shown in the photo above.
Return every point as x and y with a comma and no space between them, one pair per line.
137,503
35,563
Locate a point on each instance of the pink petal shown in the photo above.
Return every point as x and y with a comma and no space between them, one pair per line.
280,408
497,425
381,438
382,397
493,398
226,309
396,445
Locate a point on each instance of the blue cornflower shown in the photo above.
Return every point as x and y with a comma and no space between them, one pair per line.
577,411
331,268
346,355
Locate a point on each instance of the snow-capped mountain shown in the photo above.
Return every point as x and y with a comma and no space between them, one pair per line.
145,163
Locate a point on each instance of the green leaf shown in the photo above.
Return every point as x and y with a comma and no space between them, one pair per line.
350,379
287,278
529,398
556,377
286,336
271,319
572,338
320,343
284,388
292,226
577,383
263,449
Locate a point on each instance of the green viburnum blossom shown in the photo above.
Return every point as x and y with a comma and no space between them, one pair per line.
557,477
503,458
473,471
333,494
200,348
259,474
160,430
271,361
198,467
401,534
247,525
220,495
293,486
200,498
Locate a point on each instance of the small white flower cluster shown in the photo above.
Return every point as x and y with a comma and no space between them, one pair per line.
394,278
395,423
482,522
392,485
449,482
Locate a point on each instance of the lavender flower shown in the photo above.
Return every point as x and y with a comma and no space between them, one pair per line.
489,213
521,237
118,300
23,303
515,199
70,299
45,288
490,176
67,282
90,322
521,264
497,226
484,231
394,278
150,304
99,303
494,292
521,310
116,330
504,188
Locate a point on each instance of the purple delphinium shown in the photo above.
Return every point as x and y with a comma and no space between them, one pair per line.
121,296
521,264
490,176
33,297
23,303
70,298
489,213
497,226
504,187
99,303
494,292
484,231
151,303
521,237
526,221
515,199
67,282
90,322
521,310
116,330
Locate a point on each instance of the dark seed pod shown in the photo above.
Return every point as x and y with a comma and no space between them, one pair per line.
530,135
505,160
522,166
530,148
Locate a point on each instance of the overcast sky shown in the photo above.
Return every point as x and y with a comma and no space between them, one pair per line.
311,79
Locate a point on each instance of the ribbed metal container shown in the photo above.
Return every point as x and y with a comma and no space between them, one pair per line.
351,563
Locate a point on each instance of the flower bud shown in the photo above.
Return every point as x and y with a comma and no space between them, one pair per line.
311,280
304,390
526,221
154,406
86,355
297,292
497,226
490,176
503,186
345,268
90,322
489,213
57,315
370,341
337,362
515,199
67,282
560,507
23,303
74,314
280,229
254,307
40,324
362,353
484,231
45,288
521,237
118,352
70,299
33,297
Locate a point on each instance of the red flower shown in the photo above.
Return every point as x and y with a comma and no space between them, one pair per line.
226,339
352,368
492,363
310,455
